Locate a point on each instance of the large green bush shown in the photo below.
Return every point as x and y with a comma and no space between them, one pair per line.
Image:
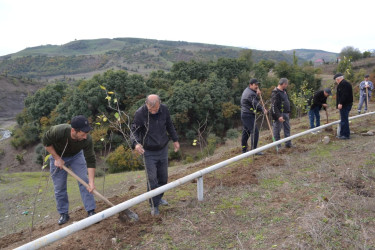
122,159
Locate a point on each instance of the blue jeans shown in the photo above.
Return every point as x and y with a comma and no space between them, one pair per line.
59,176
344,122
314,114
249,128
157,171
362,99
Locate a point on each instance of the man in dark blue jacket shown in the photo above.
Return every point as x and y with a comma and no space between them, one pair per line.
344,102
319,100
150,129
249,106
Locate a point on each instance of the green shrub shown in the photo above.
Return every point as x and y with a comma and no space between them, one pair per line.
19,158
174,155
232,133
40,154
123,160
212,142
99,172
188,159
191,135
25,136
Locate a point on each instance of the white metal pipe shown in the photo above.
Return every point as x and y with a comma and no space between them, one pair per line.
200,188
59,234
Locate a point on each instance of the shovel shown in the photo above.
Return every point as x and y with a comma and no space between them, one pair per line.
123,216
268,122
329,129
368,110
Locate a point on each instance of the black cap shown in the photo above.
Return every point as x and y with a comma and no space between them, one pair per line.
337,75
367,76
252,81
328,91
81,123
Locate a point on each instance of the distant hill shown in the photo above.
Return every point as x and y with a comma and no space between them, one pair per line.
83,58
313,55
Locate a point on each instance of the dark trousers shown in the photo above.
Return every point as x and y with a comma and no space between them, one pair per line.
157,171
344,122
277,126
249,129
314,115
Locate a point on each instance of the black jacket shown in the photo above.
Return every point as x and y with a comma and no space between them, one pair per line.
344,95
150,130
279,103
318,99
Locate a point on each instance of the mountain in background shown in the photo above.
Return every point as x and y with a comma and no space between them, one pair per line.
314,55
84,58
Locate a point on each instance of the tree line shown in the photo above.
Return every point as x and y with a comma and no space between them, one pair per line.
195,92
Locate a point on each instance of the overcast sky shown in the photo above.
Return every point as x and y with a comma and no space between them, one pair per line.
328,25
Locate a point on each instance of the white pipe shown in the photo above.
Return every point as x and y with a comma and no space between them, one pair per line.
59,234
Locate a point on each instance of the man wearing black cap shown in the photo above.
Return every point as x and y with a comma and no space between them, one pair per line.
249,106
319,100
344,102
365,88
71,145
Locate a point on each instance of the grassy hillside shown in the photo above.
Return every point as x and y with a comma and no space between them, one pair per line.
82,58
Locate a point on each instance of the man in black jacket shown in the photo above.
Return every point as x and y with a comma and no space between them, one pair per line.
319,100
344,102
149,137
249,106
280,108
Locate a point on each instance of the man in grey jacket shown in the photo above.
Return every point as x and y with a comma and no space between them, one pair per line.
249,106
365,88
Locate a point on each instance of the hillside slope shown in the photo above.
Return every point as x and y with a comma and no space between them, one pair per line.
13,93
316,196
83,58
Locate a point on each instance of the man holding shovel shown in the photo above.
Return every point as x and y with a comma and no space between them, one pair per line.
151,129
249,106
365,88
71,145
319,100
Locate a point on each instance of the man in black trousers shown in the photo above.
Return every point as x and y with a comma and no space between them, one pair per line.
249,106
344,102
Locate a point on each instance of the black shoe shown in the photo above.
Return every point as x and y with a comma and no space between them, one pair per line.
63,219
90,213
343,137
259,153
290,146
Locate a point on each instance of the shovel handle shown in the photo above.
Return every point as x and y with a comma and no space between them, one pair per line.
268,121
87,185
